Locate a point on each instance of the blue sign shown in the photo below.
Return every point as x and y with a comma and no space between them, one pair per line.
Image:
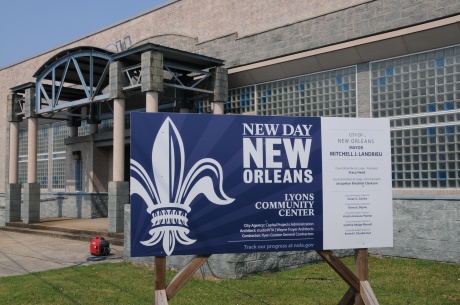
210,184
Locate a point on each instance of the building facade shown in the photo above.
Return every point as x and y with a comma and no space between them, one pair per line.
398,59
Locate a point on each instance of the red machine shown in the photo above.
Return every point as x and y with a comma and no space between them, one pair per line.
99,246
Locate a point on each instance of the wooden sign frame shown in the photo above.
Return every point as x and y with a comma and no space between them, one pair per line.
359,292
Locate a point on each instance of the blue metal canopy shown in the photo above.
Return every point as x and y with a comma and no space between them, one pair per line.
79,76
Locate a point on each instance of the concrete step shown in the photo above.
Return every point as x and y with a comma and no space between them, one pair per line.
116,239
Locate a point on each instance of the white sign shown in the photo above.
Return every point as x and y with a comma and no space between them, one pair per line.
357,183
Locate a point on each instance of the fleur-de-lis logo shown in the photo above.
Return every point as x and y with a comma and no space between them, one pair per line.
169,194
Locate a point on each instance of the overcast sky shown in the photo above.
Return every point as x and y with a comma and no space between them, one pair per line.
30,27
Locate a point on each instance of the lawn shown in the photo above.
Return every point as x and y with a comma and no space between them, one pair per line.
394,281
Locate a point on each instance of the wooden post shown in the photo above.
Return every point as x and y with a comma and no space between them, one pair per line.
348,298
340,268
361,271
367,294
360,291
160,281
163,292
185,274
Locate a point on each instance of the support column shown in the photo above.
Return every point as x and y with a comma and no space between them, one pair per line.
13,189
93,123
152,79
220,88
118,139
218,108
14,153
118,188
118,198
93,128
31,203
73,124
73,131
151,101
32,134
12,203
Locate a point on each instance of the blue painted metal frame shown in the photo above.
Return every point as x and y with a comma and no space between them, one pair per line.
91,91
201,75
54,96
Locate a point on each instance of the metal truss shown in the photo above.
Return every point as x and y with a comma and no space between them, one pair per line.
20,101
73,84
133,74
72,81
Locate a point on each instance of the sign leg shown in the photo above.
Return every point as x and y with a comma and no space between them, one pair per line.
348,298
361,271
185,274
160,281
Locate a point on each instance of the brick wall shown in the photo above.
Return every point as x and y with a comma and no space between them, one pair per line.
355,22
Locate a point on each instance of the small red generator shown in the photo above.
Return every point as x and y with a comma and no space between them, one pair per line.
99,246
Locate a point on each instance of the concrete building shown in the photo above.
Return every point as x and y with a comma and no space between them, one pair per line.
66,108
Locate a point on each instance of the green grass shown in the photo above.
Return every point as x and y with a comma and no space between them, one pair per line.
394,281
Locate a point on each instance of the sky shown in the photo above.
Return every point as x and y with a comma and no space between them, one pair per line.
31,27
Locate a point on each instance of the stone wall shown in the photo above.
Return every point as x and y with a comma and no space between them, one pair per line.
423,228
73,205
323,30
68,205
426,228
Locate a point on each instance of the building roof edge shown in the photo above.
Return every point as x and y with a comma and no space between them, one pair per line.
157,7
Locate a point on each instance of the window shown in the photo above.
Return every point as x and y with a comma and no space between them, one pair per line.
328,93
420,93
50,149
